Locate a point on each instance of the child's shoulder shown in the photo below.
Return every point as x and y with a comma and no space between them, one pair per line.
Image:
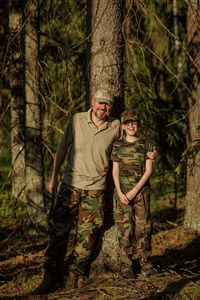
143,141
145,144
118,143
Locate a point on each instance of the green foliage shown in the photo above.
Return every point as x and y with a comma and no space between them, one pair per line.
10,208
152,88
190,156
5,163
62,61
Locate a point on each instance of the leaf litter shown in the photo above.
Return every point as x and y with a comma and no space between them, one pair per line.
175,253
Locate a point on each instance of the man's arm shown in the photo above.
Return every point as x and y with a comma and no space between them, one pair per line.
58,160
148,171
152,155
66,141
115,173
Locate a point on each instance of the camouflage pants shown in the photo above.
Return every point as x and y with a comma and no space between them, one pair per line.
134,224
79,212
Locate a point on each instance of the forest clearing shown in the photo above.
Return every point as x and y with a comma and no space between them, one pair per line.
175,252
55,56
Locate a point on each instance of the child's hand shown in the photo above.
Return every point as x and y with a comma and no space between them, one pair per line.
131,194
123,198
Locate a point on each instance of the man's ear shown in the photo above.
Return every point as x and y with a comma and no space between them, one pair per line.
93,101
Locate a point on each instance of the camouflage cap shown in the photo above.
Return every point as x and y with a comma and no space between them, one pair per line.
129,114
104,95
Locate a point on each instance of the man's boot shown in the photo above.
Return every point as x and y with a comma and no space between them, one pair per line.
46,286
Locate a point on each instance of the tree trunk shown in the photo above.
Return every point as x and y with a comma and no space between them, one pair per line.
128,32
105,69
36,218
192,210
18,99
105,50
179,54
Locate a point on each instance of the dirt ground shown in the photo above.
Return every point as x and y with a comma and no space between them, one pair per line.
176,253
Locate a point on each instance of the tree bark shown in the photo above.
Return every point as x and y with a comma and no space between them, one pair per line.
18,98
128,32
192,209
179,54
105,50
36,218
105,69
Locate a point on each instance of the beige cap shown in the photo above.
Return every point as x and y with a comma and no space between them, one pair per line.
104,95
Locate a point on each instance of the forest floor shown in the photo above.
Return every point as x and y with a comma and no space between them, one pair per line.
176,253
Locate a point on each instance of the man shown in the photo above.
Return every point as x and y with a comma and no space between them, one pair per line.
89,137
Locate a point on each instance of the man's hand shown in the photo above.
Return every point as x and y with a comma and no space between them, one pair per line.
152,155
53,184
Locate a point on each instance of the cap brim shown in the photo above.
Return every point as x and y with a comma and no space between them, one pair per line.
103,101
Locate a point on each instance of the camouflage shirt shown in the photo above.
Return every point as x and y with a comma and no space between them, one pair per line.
131,157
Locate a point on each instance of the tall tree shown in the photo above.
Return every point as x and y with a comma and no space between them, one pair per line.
179,54
105,51
105,69
34,156
192,209
18,98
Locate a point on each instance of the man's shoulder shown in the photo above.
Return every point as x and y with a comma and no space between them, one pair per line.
79,115
113,121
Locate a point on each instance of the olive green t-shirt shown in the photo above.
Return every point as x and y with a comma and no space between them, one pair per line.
88,157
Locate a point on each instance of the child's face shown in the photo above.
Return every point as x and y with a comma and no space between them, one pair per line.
130,127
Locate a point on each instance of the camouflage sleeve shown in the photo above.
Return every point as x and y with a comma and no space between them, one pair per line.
114,155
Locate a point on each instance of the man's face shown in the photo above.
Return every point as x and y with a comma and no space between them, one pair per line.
101,109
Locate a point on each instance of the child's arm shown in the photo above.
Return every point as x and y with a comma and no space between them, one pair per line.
148,171
115,173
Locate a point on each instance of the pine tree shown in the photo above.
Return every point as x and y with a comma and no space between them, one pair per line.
192,208
36,219
18,99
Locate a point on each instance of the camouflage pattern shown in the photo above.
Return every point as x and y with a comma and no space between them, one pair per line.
129,114
105,96
133,221
131,158
134,225
78,215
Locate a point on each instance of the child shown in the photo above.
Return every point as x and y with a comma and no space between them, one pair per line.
131,172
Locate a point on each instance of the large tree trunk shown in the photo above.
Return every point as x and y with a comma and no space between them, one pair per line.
192,210
18,99
105,69
105,65
36,219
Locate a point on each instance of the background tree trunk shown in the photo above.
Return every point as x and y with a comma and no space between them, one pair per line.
179,54
192,211
105,69
18,99
36,219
